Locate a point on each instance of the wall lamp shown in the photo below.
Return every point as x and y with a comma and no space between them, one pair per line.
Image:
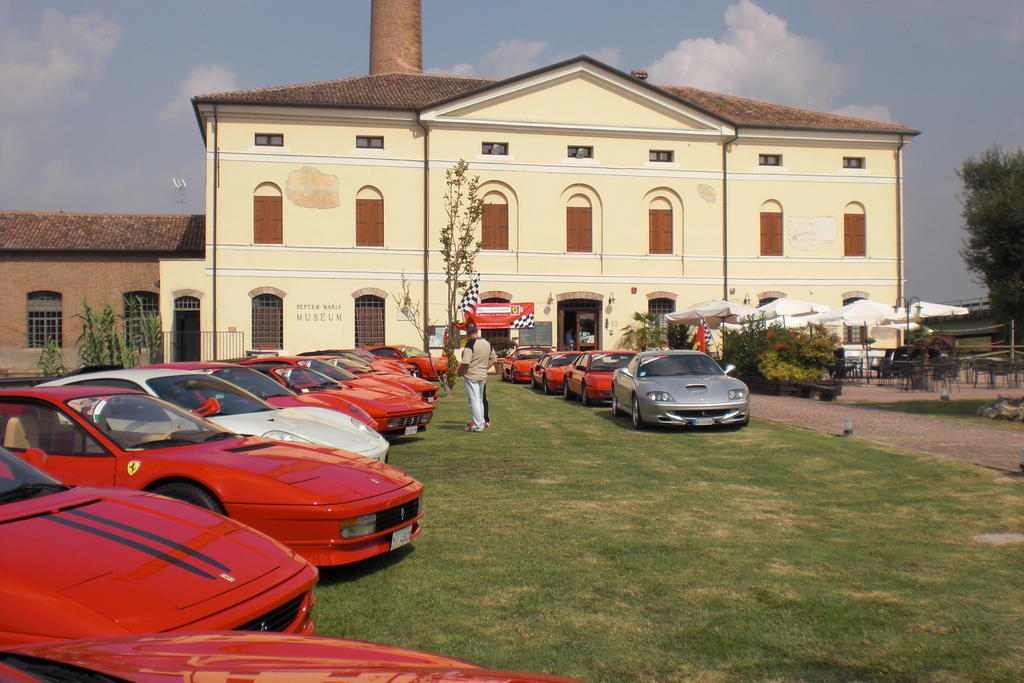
611,298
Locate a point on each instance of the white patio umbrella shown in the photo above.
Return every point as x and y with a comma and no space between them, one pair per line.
785,307
862,312
919,310
714,312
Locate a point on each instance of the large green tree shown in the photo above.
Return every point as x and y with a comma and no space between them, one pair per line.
993,212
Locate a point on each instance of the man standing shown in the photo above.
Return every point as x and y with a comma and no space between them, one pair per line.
477,358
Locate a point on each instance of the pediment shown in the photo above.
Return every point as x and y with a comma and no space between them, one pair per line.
576,95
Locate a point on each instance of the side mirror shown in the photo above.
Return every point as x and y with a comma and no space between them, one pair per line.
35,457
626,372
728,368
211,407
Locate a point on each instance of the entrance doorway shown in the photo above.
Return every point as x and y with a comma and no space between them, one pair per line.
579,325
185,345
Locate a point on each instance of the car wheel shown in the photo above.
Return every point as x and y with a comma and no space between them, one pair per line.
544,386
583,395
414,371
190,493
565,391
638,421
615,405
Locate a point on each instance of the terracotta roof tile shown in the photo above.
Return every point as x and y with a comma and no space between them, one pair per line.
416,91
182,236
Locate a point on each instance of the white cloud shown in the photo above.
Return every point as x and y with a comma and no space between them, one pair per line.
204,79
757,56
876,112
56,64
1011,33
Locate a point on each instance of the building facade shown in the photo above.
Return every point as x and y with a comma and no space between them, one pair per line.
54,262
604,195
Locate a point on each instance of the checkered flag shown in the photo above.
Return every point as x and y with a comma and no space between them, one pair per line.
471,297
522,321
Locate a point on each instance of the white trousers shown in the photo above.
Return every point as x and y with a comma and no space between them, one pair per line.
475,395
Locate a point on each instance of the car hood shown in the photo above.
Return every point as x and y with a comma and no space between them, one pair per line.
381,400
318,425
158,658
325,474
138,560
696,388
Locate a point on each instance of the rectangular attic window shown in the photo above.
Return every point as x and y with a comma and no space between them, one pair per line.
269,140
369,142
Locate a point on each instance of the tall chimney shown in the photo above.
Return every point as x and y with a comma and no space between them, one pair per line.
396,37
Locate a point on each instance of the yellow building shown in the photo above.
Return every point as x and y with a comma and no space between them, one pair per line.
605,195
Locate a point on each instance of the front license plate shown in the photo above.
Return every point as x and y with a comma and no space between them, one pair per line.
409,431
703,421
431,399
401,537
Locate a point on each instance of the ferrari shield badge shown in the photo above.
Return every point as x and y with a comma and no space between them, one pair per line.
133,467
228,578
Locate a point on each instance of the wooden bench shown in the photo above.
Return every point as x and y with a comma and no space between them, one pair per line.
823,392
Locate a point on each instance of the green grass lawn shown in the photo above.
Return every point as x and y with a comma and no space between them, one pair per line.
562,541
964,409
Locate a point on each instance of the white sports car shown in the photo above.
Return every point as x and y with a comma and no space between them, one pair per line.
241,412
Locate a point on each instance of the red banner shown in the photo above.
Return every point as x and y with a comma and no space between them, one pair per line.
498,316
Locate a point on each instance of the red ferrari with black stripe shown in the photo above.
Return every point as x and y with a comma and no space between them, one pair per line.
332,506
419,363
426,390
90,563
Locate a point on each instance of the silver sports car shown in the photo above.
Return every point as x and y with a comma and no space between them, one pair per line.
685,388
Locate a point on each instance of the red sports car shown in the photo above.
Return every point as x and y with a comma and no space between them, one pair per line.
516,366
349,379
426,390
548,371
590,375
332,506
248,657
394,416
419,363
261,386
91,563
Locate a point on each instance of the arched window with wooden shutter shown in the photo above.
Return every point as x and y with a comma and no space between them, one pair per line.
659,226
578,225
494,222
854,231
771,229
267,224
369,218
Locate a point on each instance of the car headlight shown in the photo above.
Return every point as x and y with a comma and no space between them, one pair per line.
355,527
279,435
660,396
361,426
736,394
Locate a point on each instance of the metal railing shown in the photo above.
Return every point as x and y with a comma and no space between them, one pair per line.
200,346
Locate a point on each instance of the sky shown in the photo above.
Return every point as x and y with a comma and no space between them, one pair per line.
94,94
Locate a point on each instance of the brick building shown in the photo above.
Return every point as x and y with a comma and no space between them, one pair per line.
53,261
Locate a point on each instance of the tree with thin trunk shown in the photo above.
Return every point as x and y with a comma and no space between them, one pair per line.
459,247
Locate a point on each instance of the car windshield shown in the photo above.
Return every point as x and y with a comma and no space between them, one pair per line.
609,361
334,372
252,381
560,359
350,364
410,352
677,364
194,391
304,379
139,421
362,353
531,353
19,480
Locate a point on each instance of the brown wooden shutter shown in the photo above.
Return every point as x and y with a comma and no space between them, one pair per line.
578,229
494,226
771,234
660,231
369,222
854,238
266,220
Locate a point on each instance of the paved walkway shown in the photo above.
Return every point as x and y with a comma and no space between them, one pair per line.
994,447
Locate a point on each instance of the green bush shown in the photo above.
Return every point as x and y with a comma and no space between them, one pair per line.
777,353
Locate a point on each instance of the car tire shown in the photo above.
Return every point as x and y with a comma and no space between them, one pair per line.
615,405
544,386
583,395
190,493
637,419
414,371
565,391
